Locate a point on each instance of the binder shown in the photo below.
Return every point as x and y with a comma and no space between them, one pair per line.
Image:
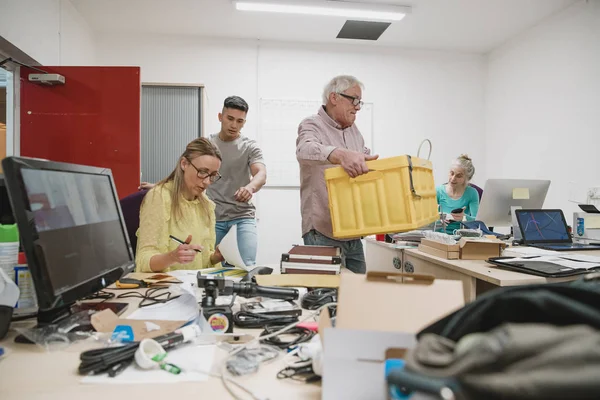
311,260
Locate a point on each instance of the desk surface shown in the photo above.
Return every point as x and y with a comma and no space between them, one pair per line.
484,271
29,372
480,269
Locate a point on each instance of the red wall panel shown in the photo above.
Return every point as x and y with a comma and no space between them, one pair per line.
93,119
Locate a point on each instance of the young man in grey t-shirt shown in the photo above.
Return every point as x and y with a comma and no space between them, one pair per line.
243,173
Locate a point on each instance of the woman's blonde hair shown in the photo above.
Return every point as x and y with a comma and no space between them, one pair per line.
196,148
463,161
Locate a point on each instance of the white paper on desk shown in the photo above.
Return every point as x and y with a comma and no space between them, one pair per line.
187,276
528,251
193,360
581,257
565,261
183,308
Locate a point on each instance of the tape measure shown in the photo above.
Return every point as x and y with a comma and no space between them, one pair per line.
130,283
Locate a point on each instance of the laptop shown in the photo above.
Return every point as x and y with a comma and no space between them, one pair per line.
547,229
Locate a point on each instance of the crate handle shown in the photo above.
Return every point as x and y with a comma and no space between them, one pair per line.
430,148
410,173
369,176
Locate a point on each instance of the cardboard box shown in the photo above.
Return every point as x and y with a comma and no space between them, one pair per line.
377,312
480,248
300,280
439,249
465,249
441,246
107,321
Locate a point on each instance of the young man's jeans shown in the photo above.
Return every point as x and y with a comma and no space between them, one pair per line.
353,256
246,237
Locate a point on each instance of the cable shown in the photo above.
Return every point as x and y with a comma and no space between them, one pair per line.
246,319
226,380
99,360
316,298
151,296
430,148
101,294
302,335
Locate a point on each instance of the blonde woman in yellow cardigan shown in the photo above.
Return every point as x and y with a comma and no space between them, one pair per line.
177,206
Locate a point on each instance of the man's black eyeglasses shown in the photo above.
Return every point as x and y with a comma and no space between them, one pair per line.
355,100
203,174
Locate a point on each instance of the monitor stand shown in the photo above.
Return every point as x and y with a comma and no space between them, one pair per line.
515,224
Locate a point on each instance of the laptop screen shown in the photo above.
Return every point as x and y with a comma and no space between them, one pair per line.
543,226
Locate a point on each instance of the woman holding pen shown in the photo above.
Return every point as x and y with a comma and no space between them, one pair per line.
177,220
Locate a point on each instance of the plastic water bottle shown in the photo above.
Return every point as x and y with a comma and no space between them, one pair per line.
9,248
580,226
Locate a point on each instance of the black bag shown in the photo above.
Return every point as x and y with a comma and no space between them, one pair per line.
550,305
560,304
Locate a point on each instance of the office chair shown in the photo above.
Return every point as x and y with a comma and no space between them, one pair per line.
130,206
479,190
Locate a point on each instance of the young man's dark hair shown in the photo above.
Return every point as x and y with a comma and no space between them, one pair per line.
236,102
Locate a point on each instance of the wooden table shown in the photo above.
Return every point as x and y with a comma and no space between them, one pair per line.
29,372
477,275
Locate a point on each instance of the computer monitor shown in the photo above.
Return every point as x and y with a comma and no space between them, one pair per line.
499,195
71,229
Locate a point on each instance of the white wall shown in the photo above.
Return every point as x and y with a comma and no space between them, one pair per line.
50,31
542,105
416,95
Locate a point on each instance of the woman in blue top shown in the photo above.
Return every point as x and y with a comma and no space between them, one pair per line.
457,194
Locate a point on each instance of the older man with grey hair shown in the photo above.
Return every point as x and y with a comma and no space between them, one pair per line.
330,137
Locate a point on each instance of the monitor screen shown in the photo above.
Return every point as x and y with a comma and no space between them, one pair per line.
77,219
543,225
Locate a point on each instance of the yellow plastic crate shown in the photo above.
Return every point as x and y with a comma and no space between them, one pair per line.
382,201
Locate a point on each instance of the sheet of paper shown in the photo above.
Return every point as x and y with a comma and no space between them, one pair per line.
581,257
193,360
565,261
527,251
183,308
231,253
188,276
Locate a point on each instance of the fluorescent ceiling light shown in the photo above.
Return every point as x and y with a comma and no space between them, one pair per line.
353,10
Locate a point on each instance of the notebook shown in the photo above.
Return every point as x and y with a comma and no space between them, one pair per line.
547,229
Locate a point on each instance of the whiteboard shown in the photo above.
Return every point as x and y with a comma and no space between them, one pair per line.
278,130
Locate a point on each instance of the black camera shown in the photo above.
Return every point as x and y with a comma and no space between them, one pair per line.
220,318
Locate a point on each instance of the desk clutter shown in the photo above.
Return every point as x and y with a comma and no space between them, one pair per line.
380,335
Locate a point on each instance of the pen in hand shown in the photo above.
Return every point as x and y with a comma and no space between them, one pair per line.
173,238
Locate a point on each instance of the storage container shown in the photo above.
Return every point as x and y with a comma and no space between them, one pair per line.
398,194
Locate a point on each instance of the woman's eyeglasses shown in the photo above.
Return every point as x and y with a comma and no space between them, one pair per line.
203,174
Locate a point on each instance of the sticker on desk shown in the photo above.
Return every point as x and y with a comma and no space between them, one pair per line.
218,322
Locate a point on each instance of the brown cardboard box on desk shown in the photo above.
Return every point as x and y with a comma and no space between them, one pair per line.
480,249
465,249
378,312
107,321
